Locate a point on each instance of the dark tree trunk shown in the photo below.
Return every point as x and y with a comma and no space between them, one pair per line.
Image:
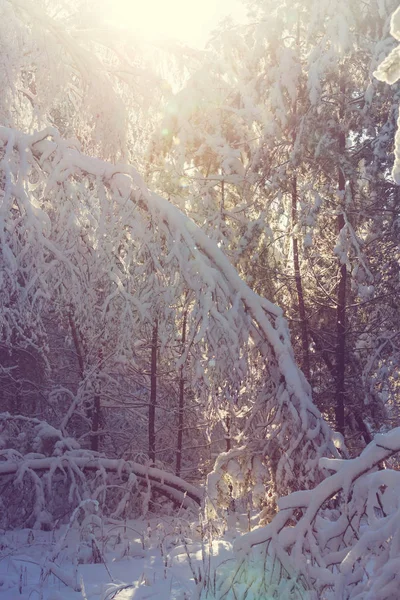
228,433
181,401
340,341
96,409
153,395
93,410
299,285
341,293
77,343
305,363
94,438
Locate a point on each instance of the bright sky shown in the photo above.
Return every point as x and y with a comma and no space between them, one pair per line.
189,21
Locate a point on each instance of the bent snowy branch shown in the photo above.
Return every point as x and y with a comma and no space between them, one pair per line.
71,462
342,535
228,320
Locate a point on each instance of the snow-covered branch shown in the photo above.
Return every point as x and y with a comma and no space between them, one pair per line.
342,536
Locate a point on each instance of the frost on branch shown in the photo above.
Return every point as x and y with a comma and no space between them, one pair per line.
239,342
340,539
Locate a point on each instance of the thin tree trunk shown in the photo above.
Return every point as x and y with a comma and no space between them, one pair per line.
96,409
341,293
340,340
91,411
153,394
181,401
228,418
77,343
94,438
331,367
299,285
295,247
228,433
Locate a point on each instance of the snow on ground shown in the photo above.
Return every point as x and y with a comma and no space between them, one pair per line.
157,558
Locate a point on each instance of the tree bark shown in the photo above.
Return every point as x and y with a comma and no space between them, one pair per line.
94,437
181,401
299,285
341,293
305,363
77,343
93,410
228,433
96,409
153,394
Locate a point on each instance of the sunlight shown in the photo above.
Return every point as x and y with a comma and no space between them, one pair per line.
187,21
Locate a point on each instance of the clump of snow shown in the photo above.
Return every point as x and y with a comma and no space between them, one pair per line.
389,71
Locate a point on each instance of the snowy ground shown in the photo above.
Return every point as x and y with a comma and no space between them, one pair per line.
157,558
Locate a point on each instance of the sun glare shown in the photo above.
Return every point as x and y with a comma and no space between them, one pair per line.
188,21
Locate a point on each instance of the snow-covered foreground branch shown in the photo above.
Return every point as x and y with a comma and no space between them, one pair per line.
341,539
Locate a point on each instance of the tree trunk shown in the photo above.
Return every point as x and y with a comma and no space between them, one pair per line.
93,410
94,438
181,401
331,367
305,363
228,433
96,408
153,394
299,285
341,293
77,343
